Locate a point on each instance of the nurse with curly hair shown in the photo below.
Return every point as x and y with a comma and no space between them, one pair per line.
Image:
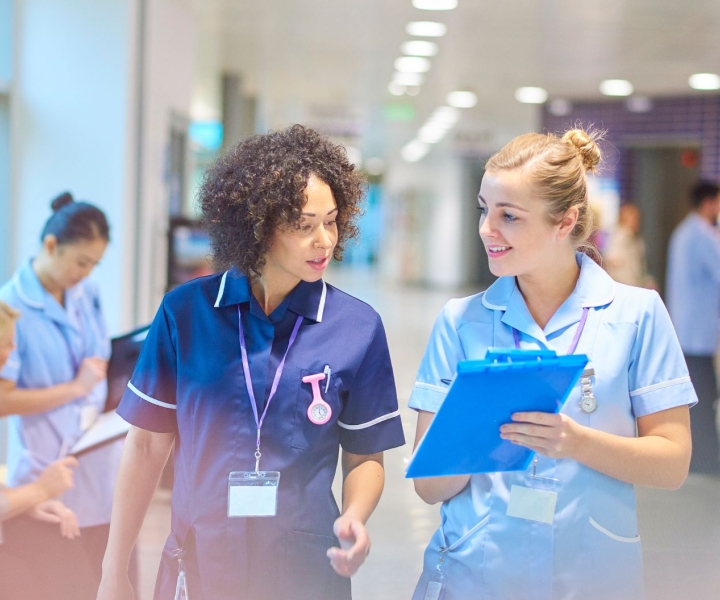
257,376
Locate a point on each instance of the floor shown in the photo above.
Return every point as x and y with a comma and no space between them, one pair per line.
680,530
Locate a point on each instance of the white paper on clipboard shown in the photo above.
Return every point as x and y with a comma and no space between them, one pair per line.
107,427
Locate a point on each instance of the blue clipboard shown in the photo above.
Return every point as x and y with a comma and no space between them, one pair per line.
464,437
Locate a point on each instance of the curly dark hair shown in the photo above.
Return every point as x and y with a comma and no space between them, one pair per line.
259,185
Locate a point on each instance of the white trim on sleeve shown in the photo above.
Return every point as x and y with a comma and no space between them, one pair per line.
433,388
222,289
391,415
138,393
659,386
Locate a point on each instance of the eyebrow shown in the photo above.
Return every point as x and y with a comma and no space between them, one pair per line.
504,204
313,214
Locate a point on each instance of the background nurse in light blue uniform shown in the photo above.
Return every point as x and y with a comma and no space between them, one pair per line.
54,384
634,429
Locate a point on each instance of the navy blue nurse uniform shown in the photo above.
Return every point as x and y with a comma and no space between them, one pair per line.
189,380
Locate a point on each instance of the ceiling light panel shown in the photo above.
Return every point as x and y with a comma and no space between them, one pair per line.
419,48
426,29
531,95
408,78
412,64
435,4
616,87
461,99
704,81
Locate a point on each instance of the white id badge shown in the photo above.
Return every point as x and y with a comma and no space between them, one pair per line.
532,504
88,415
253,494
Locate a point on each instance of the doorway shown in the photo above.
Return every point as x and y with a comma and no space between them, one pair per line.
661,179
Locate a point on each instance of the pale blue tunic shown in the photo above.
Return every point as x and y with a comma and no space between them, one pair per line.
592,549
51,341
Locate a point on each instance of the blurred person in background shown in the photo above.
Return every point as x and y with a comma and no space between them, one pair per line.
693,298
39,528
566,527
53,385
278,208
624,257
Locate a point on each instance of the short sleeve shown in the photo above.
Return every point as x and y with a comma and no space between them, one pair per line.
658,375
438,365
370,420
149,402
11,369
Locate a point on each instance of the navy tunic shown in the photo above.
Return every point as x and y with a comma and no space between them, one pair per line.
189,380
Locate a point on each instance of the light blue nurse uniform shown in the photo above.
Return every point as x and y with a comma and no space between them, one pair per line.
592,549
51,342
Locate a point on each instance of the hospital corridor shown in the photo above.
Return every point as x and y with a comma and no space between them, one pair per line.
343,300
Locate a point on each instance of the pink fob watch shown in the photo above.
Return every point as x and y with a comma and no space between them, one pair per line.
319,412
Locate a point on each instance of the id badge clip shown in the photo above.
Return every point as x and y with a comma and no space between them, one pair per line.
253,493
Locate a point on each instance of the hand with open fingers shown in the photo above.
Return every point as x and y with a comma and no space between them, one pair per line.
354,545
54,511
58,477
552,435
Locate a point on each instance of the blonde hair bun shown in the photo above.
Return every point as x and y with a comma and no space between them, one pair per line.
585,143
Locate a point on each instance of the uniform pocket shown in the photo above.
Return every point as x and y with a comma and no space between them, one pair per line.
305,432
620,555
309,575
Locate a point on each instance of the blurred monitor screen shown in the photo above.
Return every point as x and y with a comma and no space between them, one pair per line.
188,252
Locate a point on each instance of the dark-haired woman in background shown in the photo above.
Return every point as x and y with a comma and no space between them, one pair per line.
262,368
53,385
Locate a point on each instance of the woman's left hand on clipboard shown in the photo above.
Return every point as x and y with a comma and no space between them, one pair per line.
354,545
550,434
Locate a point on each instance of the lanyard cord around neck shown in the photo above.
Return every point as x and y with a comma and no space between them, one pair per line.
248,380
576,338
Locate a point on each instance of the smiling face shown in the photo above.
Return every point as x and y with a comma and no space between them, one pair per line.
302,252
519,237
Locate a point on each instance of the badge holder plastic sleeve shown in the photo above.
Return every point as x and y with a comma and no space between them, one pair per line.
253,493
464,437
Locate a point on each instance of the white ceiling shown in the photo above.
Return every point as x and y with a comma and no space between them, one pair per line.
331,60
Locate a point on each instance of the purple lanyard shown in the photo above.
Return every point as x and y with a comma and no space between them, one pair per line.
248,380
576,339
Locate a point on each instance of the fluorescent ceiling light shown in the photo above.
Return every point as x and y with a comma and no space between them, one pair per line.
461,99
412,90
560,107
412,64
396,89
408,78
435,4
431,134
616,87
426,29
414,151
531,95
445,114
704,81
419,48
430,137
